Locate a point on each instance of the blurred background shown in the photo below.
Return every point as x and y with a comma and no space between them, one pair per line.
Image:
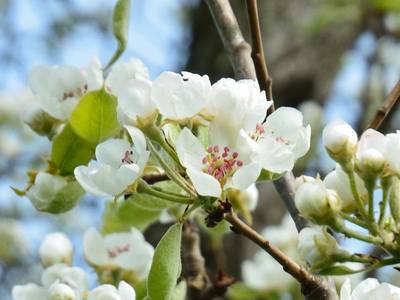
329,58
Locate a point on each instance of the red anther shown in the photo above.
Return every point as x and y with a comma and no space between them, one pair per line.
205,160
210,170
225,154
226,149
216,149
235,154
210,149
239,163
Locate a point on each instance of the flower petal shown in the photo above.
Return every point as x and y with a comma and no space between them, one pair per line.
190,150
205,184
246,176
94,248
112,151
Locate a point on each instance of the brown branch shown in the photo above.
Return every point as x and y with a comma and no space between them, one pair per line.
239,51
312,287
386,107
258,51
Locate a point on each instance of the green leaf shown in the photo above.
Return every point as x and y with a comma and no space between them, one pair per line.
338,270
166,266
180,291
139,210
69,151
268,176
120,21
95,117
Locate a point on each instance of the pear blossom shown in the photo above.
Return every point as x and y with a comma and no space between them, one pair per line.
338,181
58,89
371,152
130,82
107,291
59,279
340,140
316,246
56,248
180,96
250,196
217,167
369,289
316,202
118,165
125,250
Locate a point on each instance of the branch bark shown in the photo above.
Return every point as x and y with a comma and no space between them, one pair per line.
386,107
312,287
240,57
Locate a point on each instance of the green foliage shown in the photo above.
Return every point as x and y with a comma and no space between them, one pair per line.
338,270
166,266
69,151
240,291
120,28
268,176
95,117
180,291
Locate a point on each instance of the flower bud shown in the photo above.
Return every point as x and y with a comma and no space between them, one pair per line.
41,122
370,162
340,140
338,180
61,291
316,202
316,246
302,179
54,194
56,248
107,291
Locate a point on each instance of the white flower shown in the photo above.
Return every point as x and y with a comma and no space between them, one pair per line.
118,165
369,289
180,96
130,82
392,151
56,248
316,246
316,202
57,280
250,196
109,292
59,88
61,291
338,181
302,179
371,152
219,167
125,250
280,141
340,140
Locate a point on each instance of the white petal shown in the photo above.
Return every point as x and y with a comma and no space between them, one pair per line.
126,291
190,150
345,290
83,176
94,75
205,184
246,176
274,156
28,292
112,151
94,248
138,138
363,289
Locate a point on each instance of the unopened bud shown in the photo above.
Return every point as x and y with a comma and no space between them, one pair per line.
316,246
340,140
56,248
302,179
316,202
370,162
61,291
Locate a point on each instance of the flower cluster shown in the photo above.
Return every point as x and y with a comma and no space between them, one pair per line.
366,167
117,252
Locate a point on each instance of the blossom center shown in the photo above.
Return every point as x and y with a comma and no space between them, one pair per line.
128,157
78,92
221,165
118,250
260,131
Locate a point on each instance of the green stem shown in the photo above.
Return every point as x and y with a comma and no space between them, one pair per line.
382,207
370,184
175,176
341,227
145,188
361,258
354,220
356,195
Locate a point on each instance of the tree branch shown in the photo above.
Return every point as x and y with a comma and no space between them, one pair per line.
386,107
312,287
257,52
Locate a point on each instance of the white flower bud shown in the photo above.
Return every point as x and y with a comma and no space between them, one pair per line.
61,291
338,180
56,248
107,291
340,140
316,202
371,162
316,247
302,179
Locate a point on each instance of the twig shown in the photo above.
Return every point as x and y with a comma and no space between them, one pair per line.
312,286
238,49
257,52
386,107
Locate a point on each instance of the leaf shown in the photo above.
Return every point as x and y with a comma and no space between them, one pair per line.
120,19
338,270
139,210
95,117
69,151
268,176
180,291
166,266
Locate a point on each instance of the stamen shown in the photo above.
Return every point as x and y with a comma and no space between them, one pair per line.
118,250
